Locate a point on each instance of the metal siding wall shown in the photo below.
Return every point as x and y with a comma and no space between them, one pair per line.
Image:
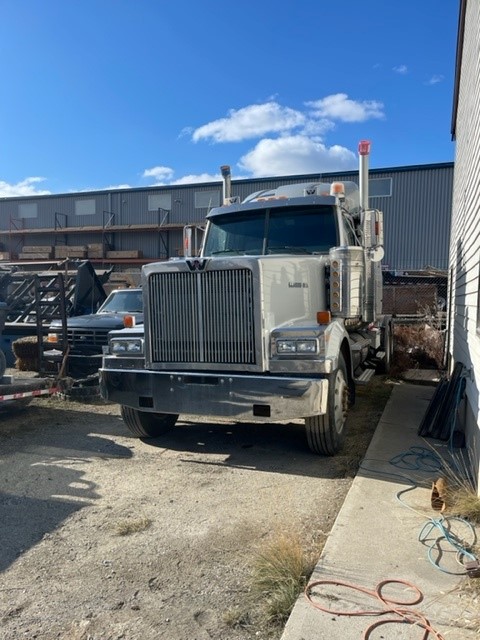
417,218
417,215
48,206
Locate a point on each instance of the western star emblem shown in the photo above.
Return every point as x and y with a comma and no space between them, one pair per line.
197,264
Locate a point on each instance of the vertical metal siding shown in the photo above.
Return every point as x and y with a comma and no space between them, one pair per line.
417,215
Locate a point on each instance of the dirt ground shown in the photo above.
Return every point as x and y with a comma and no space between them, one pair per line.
107,537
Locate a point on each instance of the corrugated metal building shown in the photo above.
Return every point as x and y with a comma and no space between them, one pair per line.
416,201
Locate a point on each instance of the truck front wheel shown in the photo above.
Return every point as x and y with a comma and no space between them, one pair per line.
326,433
145,424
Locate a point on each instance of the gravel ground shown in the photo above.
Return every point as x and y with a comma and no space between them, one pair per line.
107,537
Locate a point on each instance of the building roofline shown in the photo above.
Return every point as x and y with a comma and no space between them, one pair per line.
458,65
195,185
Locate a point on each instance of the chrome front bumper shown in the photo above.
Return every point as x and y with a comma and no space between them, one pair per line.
242,397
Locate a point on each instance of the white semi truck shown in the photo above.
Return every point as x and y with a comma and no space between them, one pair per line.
276,319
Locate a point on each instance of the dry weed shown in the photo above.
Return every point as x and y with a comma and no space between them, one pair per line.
281,568
417,346
127,527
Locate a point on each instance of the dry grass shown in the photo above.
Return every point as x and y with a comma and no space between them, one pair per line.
279,569
461,495
464,502
132,525
469,617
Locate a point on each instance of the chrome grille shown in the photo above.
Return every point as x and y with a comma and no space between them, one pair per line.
204,317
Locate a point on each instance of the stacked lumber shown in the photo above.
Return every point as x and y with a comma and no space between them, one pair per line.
65,251
38,252
133,253
95,250
122,280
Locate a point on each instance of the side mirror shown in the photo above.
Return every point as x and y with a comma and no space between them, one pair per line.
376,253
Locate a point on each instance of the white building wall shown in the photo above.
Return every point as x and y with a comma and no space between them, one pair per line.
465,230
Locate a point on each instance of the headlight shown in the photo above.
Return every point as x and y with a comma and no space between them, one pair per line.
126,346
297,346
53,338
286,346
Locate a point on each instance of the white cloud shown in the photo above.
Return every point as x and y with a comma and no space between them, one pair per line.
296,154
25,187
402,69
253,121
201,177
159,174
435,79
114,187
340,107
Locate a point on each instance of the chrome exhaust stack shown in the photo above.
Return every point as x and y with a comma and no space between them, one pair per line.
363,152
227,183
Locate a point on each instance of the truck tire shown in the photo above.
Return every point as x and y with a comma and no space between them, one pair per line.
145,424
326,433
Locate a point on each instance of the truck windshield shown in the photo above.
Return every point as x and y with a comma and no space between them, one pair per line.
296,230
128,301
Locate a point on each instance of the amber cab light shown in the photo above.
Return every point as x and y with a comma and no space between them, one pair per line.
324,317
129,321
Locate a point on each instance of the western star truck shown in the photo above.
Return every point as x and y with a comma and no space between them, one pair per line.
277,318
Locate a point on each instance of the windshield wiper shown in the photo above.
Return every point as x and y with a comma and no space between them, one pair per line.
237,252
287,249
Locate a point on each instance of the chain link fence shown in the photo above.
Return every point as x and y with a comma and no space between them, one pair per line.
418,303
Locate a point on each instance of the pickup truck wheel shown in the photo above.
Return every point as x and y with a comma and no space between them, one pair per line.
326,433
145,424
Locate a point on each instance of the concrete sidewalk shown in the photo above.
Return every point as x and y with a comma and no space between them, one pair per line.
376,537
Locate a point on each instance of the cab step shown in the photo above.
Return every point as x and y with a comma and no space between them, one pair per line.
375,360
365,376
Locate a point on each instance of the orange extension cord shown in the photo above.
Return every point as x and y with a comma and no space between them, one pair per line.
389,605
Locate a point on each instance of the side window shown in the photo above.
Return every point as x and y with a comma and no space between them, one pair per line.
85,207
380,188
207,199
158,201
27,210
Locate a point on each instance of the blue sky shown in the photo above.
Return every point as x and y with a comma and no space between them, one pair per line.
101,94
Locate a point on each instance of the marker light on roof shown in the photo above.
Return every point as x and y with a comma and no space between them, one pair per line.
337,189
364,147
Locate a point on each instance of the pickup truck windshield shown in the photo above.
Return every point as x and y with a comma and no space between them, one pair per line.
128,301
295,230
